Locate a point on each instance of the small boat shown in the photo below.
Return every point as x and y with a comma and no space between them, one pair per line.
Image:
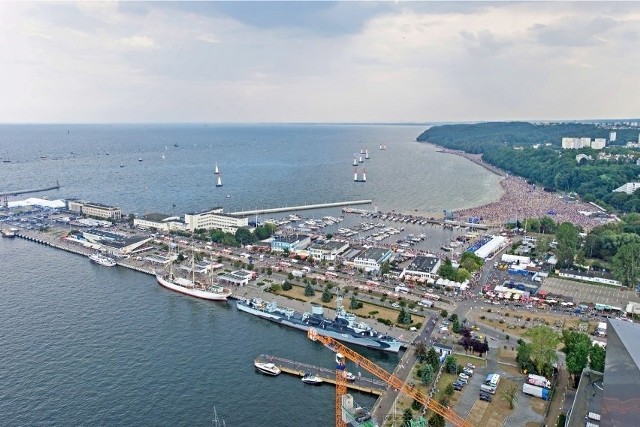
163,156
175,145
267,368
140,159
312,379
219,181
228,196
121,165
216,170
8,233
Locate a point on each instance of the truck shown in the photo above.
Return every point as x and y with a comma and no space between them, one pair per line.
539,381
297,273
536,391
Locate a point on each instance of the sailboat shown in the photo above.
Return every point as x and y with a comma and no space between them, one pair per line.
217,171
162,156
219,181
191,287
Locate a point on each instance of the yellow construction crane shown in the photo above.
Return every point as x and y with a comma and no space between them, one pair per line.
395,382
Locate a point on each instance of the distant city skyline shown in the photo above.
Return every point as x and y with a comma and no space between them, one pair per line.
314,62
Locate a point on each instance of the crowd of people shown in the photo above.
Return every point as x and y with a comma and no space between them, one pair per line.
521,200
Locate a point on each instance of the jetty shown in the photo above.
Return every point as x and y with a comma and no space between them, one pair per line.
292,367
302,207
31,190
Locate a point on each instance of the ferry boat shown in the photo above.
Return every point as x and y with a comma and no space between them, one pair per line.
267,368
344,327
102,260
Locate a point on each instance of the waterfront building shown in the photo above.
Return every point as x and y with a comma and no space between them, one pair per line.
97,210
113,243
372,259
629,188
491,247
291,242
327,251
424,267
238,277
160,222
214,219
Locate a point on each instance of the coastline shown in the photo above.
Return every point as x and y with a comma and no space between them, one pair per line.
520,200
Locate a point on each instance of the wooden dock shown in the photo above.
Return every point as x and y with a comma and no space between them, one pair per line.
292,367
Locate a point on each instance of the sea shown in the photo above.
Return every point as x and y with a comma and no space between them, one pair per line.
82,344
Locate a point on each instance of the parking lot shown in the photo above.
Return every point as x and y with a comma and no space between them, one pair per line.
589,293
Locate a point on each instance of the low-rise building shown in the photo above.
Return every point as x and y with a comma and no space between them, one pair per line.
629,188
214,219
590,276
160,222
114,244
372,259
290,242
97,210
238,277
327,251
425,267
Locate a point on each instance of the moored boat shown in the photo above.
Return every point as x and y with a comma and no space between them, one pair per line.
102,260
344,327
8,233
267,368
194,289
312,379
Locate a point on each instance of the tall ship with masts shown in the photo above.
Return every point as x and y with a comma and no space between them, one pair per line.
192,287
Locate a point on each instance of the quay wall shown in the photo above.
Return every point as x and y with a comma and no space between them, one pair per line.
302,207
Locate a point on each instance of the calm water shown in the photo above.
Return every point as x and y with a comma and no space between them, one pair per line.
85,345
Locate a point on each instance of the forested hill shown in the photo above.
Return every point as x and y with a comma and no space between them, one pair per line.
512,147
476,138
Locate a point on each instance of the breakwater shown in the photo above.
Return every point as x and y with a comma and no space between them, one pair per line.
303,207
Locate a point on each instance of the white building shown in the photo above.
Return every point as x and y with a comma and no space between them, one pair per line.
629,188
489,249
612,136
214,219
95,209
598,143
424,267
590,276
569,143
160,222
372,259
327,251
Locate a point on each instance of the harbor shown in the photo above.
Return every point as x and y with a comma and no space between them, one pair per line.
299,369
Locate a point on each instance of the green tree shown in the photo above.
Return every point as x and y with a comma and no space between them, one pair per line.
544,343
453,317
449,390
444,314
626,264
244,236
309,291
404,317
385,268
437,420
354,304
572,339
286,286
470,261
597,357
269,271
577,360
433,359
326,295
455,327
509,394
451,365
426,374
407,416
420,351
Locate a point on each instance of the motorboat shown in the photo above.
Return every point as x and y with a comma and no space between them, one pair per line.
312,379
267,368
102,260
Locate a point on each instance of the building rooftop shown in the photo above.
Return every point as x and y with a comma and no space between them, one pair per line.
290,238
156,217
100,205
588,398
330,245
591,273
423,263
105,234
374,253
124,242
214,210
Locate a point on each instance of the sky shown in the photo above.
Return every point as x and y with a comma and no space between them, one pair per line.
106,62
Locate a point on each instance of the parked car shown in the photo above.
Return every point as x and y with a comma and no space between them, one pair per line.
486,397
463,376
471,366
468,371
458,382
463,380
457,387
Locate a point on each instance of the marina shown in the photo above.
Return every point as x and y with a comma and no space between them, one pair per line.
300,369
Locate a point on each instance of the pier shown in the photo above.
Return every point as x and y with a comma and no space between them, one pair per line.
302,207
32,190
292,367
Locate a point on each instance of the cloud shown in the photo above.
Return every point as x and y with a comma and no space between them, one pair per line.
320,61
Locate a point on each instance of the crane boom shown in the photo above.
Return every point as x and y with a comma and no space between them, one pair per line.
390,379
